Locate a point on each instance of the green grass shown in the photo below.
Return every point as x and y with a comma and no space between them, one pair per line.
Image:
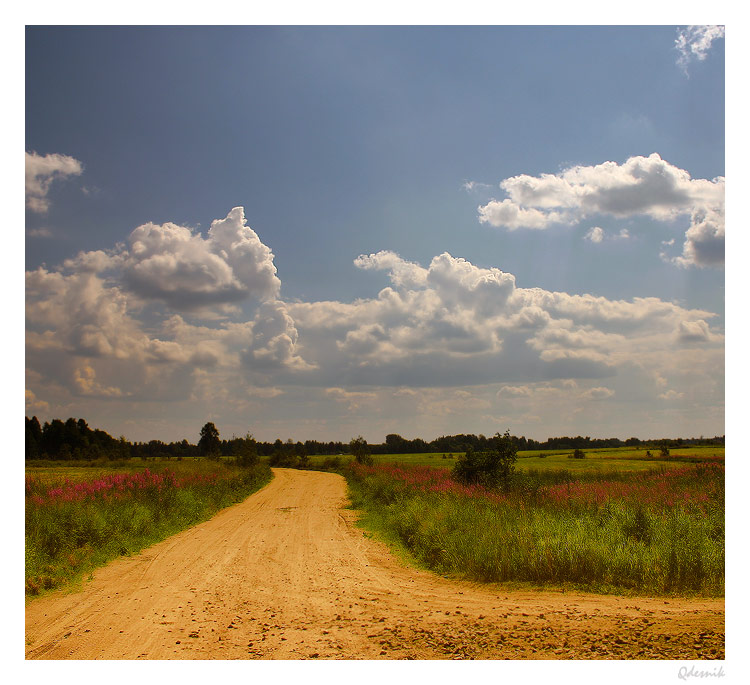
79,519
77,473
702,451
608,459
640,533
593,464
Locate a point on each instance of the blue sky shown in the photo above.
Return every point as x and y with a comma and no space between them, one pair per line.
444,229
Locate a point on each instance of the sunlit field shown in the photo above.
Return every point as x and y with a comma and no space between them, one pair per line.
617,519
78,517
612,522
620,459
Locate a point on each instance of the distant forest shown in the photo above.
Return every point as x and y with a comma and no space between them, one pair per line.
75,440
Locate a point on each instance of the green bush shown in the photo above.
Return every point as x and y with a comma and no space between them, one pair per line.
247,454
491,469
361,451
331,463
282,459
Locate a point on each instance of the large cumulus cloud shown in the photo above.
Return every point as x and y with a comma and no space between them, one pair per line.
86,327
646,186
438,340
188,272
455,323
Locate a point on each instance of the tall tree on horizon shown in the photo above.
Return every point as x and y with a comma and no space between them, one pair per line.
209,442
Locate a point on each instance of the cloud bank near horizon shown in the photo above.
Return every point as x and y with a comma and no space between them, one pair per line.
113,326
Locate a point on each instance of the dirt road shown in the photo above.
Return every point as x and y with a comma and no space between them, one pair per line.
286,575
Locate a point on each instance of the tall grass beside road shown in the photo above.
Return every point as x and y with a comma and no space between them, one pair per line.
651,532
74,525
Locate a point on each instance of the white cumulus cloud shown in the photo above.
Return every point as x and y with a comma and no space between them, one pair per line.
704,244
41,172
85,330
188,272
693,331
595,234
445,339
454,322
511,215
274,339
647,186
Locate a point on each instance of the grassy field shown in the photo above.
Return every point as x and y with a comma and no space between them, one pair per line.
78,518
619,459
629,530
592,462
55,474
607,523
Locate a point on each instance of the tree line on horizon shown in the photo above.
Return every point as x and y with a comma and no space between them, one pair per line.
75,440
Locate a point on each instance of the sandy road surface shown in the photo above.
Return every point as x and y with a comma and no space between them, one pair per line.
286,575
